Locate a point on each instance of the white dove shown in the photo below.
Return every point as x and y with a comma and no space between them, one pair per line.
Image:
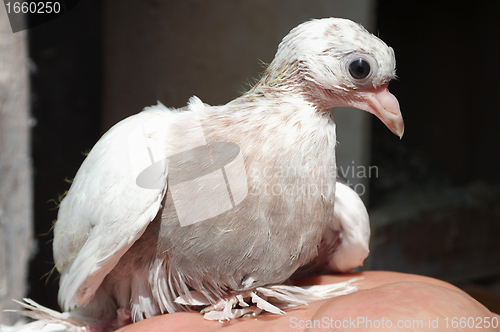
217,204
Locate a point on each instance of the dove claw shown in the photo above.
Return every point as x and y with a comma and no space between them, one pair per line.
239,304
123,317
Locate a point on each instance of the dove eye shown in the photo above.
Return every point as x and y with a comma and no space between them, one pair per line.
359,68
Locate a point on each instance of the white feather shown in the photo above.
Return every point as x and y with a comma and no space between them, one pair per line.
275,298
105,212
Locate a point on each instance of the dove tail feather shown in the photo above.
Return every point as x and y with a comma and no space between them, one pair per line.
142,304
164,286
45,316
160,286
168,283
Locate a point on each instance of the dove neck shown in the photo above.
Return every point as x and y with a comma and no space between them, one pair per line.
293,82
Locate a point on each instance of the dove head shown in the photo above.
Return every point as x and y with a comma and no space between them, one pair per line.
335,62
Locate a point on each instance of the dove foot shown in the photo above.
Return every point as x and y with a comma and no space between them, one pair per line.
234,305
272,298
123,317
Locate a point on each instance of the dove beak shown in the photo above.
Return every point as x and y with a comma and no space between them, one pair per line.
385,106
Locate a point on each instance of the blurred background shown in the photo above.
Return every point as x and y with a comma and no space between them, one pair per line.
433,197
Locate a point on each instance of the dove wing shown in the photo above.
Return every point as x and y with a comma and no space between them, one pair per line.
113,198
350,213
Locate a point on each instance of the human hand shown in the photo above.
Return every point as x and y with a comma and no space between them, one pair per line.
385,300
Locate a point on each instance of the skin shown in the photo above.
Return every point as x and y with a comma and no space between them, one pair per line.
382,297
